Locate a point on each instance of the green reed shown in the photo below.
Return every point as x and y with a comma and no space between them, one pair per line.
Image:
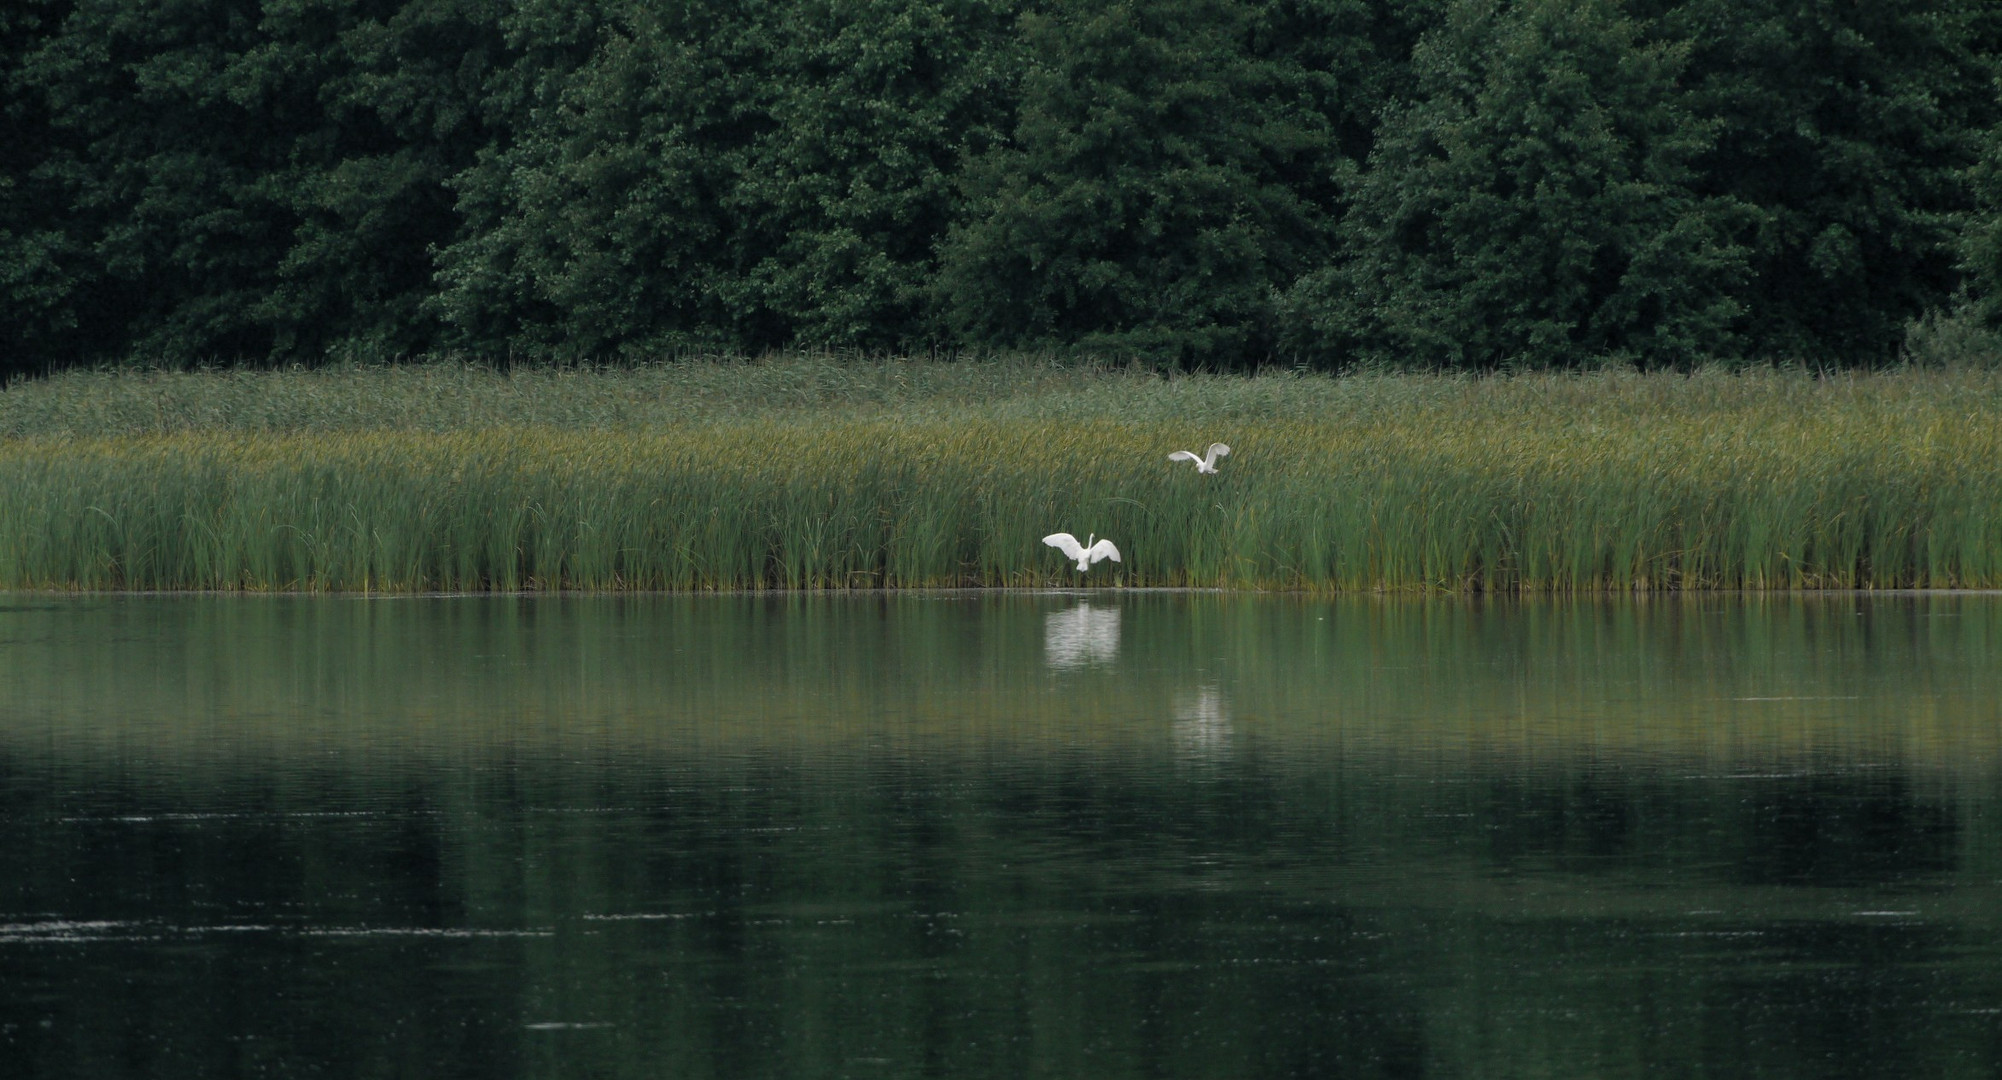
451,397
1528,483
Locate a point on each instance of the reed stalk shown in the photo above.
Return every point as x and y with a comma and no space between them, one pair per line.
1544,484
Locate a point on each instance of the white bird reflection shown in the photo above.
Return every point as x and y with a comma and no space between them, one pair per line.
1202,725
1082,635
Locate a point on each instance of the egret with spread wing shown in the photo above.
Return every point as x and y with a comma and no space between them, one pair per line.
1206,463
1085,553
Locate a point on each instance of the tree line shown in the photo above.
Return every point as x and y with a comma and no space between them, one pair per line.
1450,183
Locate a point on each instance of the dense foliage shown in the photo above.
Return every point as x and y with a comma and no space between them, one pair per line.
1443,182
1536,199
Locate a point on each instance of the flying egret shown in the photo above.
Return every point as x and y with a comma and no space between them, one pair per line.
1206,463
1085,553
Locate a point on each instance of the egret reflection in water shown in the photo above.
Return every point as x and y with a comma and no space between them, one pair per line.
1081,636
1202,725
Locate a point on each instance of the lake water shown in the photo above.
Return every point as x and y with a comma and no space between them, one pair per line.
1016,835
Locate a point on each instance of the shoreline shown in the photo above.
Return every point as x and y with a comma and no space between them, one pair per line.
1015,591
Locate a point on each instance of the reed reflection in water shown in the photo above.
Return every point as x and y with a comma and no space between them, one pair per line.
1002,835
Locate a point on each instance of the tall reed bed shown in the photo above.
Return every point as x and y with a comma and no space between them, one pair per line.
1633,484
451,397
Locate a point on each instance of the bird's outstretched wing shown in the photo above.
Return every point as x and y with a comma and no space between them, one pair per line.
1101,550
1217,450
1183,455
1068,544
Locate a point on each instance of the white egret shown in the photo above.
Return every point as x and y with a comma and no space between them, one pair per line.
1085,553
1206,463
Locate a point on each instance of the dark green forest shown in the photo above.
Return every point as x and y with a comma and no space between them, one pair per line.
1224,183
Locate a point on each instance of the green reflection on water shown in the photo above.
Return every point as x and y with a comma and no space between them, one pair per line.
1001,835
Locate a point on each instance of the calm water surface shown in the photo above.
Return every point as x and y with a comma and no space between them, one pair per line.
1002,836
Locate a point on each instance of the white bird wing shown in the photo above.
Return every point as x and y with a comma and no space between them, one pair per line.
1103,550
1067,544
1217,450
1183,455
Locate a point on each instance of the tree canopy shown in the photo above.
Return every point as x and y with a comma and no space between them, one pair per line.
1222,182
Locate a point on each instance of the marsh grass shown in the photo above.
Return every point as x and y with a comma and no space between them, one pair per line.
815,473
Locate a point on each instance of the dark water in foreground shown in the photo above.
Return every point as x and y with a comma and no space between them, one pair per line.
1028,835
